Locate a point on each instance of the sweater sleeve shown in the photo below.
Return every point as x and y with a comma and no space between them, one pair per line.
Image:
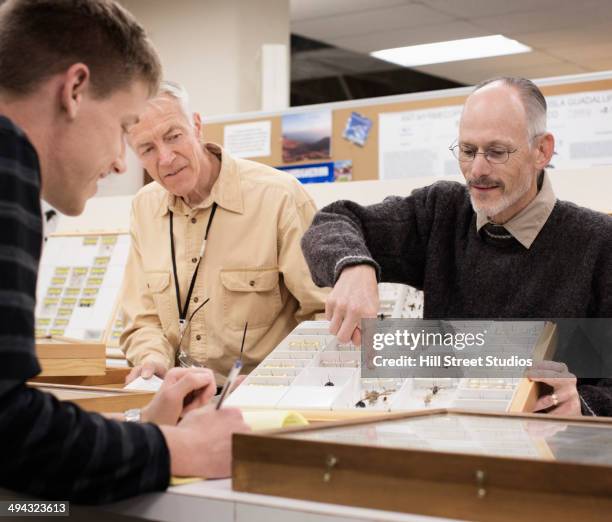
596,397
391,236
52,449
55,450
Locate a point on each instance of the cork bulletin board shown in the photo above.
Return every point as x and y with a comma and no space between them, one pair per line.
366,159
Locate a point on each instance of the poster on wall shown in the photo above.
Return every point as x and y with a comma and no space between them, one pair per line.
582,126
343,170
415,143
357,129
307,136
247,140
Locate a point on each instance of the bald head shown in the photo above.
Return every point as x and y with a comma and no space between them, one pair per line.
531,97
495,113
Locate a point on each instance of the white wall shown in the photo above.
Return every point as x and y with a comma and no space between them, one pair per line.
103,214
590,188
123,184
213,47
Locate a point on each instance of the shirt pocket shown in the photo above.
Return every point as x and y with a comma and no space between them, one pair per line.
158,284
250,294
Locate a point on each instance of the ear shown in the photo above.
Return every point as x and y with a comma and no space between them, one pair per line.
197,124
76,82
544,150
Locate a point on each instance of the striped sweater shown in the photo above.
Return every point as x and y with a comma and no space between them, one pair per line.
50,449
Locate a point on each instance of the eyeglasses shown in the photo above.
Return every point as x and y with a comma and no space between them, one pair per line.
496,155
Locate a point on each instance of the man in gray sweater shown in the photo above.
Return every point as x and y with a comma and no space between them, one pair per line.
500,246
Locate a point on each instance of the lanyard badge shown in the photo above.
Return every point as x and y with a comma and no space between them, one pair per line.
183,322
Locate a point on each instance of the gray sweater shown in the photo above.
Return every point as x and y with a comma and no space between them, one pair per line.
429,240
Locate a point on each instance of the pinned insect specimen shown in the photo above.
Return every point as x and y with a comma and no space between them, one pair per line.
372,396
433,391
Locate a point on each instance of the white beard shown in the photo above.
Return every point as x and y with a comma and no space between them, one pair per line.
506,201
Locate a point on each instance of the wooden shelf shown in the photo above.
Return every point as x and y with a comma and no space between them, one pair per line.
112,378
59,358
97,399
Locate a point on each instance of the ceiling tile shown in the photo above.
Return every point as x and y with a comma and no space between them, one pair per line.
605,65
568,15
402,37
467,9
585,53
570,36
307,9
474,71
497,62
362,23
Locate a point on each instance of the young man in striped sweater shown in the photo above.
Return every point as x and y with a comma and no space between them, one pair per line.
75,75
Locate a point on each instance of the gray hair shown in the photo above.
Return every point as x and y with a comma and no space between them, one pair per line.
177,92
532,98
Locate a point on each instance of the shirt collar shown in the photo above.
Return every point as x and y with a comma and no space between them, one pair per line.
528,223
226,191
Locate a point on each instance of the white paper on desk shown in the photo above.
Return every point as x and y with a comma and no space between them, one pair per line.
248,140
139,384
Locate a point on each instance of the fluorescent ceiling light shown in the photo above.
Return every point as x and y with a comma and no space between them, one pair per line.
452,51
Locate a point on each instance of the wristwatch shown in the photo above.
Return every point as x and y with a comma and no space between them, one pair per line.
132,415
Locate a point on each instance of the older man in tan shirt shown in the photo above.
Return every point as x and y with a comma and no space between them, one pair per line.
226,229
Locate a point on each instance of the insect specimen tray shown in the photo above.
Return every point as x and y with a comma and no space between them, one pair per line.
309,371
443,463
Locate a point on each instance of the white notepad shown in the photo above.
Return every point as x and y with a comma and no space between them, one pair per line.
139,384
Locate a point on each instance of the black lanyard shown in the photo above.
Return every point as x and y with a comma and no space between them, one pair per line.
183,310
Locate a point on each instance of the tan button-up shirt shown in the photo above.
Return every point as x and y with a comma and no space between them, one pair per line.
528,223
253,268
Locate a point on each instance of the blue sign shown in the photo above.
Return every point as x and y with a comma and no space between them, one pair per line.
313,172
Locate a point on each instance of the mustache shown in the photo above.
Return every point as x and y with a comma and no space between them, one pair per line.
485,181
174,170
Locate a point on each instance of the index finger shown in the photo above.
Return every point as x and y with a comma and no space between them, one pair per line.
133,374
356,337
329,310
347,328
202,384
